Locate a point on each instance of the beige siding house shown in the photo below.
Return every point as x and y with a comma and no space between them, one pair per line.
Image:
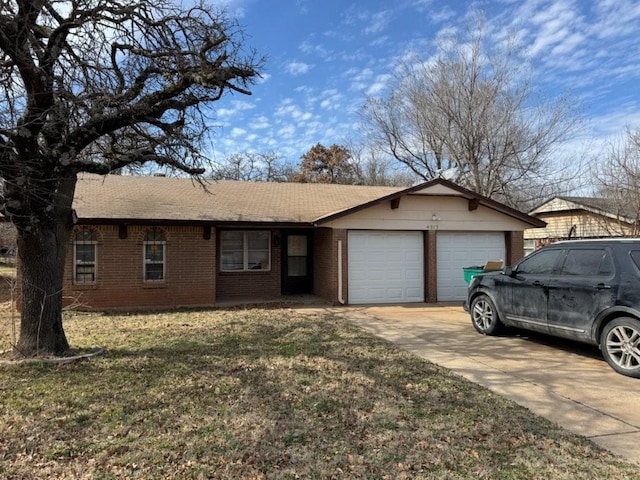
163,242
580,217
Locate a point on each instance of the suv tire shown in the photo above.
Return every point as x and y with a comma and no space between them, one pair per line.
620,346
484,316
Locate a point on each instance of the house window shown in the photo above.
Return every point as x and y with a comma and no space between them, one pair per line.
244,250
529,247
154,244
84,256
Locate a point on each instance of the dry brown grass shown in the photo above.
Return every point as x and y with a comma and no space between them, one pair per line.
266,394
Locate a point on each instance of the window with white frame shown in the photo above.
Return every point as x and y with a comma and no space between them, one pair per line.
84,256
245,250
529,247
154,250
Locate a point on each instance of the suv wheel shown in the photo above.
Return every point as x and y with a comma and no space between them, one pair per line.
484,316
620,345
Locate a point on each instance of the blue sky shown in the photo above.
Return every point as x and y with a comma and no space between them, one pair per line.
325,57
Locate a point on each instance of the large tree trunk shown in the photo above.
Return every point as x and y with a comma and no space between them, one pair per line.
41,259
42,248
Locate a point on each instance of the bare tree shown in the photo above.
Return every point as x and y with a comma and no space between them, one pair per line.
617,183
96,86
374,167
471,111
254,166
327,165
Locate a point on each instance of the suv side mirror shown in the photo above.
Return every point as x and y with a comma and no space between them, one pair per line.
508,271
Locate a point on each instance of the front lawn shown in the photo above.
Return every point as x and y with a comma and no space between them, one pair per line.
262,394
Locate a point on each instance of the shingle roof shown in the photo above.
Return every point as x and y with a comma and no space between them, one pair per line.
115,197
607,206
597,203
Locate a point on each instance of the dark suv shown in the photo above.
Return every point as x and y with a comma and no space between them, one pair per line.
585,290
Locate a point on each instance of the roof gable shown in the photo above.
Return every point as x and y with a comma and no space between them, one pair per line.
441,187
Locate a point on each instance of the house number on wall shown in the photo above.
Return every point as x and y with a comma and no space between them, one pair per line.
432,227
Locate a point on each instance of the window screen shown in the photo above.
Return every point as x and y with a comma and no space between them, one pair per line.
84,265
154,244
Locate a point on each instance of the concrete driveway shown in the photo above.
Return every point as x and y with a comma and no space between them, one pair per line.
566,382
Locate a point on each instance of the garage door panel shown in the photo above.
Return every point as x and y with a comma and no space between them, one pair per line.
373,275
413,274
395,275
415,294
385,267
456,250
411,257
394,294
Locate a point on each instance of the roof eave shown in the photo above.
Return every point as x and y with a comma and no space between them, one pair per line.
182,222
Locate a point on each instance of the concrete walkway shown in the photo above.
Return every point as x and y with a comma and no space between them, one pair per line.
568,383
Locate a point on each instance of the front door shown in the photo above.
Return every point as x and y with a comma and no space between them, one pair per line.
297,263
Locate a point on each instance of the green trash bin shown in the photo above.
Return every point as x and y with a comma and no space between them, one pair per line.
490,266
470,272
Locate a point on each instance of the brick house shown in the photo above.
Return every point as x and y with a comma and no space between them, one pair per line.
580,218
167,242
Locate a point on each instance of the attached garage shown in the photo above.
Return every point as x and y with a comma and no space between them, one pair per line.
456,250
411,246
385,267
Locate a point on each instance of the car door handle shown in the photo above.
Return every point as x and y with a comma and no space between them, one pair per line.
537,283
602,286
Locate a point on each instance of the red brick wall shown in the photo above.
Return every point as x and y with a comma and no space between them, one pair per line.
431,267
515,247
325,264
193,276
252,285
189,271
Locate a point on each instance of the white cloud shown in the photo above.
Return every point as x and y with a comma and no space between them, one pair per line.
359,78
555,25
378,22
445,13
315,49
303,6
616,17
238,132
236,106
380,84
263,78
331,99
260,123
287,109
297,68
287,131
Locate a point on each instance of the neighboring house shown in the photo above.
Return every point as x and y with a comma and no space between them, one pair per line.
580,217
166,242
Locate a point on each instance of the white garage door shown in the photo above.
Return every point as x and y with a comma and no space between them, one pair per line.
456,250
385,267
